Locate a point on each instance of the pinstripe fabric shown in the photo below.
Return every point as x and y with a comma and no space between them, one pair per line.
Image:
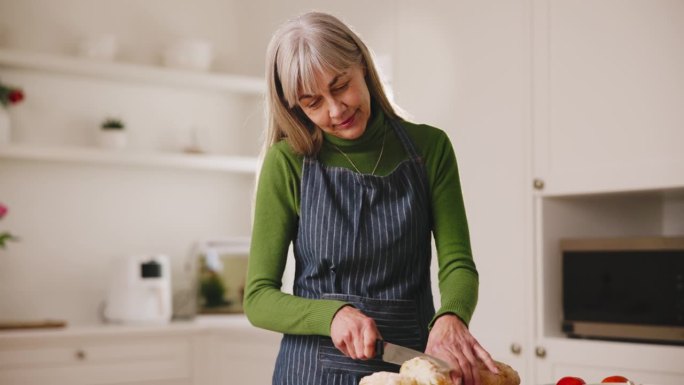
365,240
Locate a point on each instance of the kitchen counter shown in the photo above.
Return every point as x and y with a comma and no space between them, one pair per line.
199,325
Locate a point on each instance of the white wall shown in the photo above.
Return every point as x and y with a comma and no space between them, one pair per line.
457,65
74,218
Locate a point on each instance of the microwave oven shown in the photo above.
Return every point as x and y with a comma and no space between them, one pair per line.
627,289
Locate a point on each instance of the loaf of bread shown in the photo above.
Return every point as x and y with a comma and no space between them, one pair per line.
506,376
387,378
425,372
421,371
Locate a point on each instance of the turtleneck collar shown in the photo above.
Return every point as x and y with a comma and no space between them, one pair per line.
373,133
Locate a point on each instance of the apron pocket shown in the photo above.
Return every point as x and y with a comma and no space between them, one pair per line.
398,323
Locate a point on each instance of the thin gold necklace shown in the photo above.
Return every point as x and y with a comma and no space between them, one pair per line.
382,149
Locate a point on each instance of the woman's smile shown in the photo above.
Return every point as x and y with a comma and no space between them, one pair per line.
348,123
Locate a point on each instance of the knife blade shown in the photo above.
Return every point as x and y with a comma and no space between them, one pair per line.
398,354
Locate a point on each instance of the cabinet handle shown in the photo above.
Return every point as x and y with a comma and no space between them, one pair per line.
540,352
80,354
516,349
538,184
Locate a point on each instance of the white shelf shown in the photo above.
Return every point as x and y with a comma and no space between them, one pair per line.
119,71
234,164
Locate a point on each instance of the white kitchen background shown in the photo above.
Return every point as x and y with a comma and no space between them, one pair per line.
586,97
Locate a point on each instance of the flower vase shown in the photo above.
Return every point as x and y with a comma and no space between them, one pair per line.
5,127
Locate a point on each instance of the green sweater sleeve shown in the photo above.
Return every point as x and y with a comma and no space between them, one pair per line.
275,226
458,277
276,221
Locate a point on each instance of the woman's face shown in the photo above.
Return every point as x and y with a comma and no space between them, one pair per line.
343,107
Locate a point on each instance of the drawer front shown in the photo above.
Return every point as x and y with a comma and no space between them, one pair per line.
98,362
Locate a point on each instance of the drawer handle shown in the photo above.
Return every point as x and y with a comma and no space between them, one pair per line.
540,352
516,348
80,354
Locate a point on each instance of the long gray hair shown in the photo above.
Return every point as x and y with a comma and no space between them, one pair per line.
310,44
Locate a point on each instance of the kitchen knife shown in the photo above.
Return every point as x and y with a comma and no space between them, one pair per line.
398,354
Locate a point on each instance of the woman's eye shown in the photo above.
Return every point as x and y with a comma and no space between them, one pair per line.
313,104
341,88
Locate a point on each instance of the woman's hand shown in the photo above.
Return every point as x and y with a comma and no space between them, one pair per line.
451,341
354,333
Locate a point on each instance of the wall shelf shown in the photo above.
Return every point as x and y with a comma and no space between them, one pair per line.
119,71
87,155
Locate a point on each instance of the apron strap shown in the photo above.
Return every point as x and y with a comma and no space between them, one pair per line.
405,140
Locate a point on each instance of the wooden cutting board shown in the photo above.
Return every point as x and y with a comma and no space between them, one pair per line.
32,324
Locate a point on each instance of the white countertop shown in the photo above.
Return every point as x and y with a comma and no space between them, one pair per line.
204,323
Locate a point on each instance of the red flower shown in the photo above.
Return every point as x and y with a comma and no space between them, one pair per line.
3,210
10,95
15,96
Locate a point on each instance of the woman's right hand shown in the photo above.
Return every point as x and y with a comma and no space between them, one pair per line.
354,333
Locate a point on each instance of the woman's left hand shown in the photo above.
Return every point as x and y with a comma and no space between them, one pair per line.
451,341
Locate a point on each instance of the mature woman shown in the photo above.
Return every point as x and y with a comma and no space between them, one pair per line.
358,191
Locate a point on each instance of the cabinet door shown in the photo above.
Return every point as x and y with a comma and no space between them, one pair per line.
97,360
246,356
473,56
608,95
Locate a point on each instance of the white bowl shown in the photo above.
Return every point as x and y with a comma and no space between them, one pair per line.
187,53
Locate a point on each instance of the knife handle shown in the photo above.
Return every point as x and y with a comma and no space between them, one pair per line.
379,348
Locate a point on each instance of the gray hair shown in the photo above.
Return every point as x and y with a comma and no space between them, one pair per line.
310,44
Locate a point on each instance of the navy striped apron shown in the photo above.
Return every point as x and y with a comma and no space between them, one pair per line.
365,240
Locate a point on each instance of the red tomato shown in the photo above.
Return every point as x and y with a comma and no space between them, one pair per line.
613,379
570,381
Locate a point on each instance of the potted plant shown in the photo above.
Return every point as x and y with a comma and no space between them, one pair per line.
5,236
112,133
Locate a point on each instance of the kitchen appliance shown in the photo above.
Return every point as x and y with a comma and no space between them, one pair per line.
629,289
139,290
397,354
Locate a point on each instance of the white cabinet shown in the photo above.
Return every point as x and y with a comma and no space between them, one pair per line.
96,359
595,360
212,350
608,95
608,92
244,357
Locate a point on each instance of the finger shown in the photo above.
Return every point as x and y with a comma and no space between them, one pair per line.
472,363
456,374
466,369
352,347
357,345
486,358
369,338
341,346
476,374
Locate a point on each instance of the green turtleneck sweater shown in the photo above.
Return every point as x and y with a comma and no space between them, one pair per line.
276,220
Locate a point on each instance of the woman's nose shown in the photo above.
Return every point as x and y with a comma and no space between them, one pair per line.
337,109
